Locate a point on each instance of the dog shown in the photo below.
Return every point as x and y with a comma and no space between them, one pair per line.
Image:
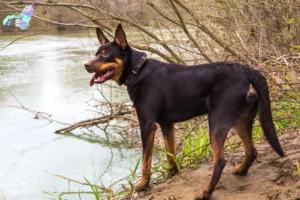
163,93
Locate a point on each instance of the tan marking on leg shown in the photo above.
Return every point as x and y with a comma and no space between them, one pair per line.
250,151
218,166
146,163
170,144
134,111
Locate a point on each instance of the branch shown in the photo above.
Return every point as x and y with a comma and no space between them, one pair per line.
160,12
114,16
100,11
189,34
39,114
153,50
163,44
90,17
36,113
95,121
75,181
206,30
46,20
45,30
51,4
147,48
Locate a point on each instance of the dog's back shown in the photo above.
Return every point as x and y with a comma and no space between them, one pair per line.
182,92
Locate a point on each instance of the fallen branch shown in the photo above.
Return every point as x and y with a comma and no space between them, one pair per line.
40,114
95,121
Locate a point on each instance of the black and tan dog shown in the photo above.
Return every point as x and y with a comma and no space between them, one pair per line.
230,93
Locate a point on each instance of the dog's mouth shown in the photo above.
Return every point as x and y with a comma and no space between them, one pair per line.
101,77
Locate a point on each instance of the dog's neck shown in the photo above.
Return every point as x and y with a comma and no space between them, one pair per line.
133,60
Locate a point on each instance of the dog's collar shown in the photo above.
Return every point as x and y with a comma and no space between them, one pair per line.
135,70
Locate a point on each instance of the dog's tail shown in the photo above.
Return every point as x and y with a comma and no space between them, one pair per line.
265,116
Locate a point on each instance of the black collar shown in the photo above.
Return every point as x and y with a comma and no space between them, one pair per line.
135,70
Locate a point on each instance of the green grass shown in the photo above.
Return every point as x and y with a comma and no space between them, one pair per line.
195,147
101,192
169,154
132,175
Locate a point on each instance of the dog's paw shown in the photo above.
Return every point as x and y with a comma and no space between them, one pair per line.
142,185
172,172
203,195
239,171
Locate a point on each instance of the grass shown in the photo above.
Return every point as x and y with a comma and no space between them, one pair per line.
194,147
98,192
132,175
169,154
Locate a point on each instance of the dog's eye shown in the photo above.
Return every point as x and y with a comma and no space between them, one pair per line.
104,53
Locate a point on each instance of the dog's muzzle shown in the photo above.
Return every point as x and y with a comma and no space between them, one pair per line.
88,68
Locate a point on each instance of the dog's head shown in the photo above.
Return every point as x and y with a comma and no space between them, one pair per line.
110,58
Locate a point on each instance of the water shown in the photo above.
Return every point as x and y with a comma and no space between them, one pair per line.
46,73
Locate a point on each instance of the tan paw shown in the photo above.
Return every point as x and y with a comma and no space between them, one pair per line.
203,195
142,185
239,170
172,172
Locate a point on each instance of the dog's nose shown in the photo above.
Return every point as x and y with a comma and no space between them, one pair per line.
86,66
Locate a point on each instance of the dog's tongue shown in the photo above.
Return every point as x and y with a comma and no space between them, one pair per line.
92,81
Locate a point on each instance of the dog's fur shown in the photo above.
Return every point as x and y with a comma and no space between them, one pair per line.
230,93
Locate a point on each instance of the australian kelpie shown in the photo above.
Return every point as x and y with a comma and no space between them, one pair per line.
230,93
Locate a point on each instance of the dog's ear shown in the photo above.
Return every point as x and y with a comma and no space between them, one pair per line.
120,37
102,39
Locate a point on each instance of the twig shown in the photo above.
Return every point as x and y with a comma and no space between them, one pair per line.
75,181
206,30
39,114
2,194
183,26
6,4
50,4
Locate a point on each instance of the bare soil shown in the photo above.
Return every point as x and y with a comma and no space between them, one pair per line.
270,177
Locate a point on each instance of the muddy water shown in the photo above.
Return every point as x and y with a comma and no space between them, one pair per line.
45,73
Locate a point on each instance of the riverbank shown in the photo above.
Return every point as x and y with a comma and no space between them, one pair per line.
270,177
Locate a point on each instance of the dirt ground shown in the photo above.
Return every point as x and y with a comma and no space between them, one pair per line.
270,177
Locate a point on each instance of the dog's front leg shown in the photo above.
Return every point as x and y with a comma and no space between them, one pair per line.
147,134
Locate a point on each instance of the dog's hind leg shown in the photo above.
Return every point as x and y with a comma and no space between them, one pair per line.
244,130
218,133
168,133
226,104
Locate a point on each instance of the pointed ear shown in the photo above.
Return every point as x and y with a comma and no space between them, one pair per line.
102,39
120,37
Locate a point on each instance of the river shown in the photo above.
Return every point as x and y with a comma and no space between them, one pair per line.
46,73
